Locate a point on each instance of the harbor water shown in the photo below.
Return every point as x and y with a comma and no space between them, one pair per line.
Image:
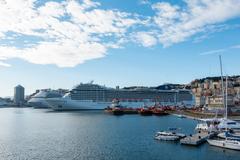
28,133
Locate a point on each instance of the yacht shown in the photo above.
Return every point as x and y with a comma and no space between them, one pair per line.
208,124
229,144
169,136
93,96
229,135
228,124
39,99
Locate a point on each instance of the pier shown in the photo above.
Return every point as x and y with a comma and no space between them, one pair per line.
196,139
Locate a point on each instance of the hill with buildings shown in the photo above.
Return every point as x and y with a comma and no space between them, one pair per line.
208,91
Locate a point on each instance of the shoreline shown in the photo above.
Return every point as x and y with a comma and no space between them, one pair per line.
186,113
198,115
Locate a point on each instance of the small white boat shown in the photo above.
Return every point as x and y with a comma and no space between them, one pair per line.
181,116
208,125
229,135
169,136
229,144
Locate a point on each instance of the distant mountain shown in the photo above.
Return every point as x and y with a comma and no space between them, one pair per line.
170,86
135,87
216,78
167,86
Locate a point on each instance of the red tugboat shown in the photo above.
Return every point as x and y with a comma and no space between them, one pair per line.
116,108
159,112
145,111
117,111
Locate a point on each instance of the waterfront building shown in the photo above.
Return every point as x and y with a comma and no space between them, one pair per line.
208,91
216,102
200,101
19,95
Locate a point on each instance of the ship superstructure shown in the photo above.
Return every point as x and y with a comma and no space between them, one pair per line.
94,96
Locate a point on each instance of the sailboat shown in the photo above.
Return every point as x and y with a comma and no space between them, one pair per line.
226,143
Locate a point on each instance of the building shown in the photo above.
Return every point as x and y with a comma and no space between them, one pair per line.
208,91
199,101
19,95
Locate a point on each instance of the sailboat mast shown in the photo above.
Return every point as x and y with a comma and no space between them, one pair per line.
220,59
226,97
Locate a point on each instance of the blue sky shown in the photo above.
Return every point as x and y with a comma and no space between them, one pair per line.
58,44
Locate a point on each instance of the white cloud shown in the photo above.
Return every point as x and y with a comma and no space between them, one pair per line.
68,33
176,24
144,2
146,39
4,64
235,46
52,9
220,50
212,52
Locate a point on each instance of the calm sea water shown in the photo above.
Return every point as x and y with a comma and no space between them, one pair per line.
27,133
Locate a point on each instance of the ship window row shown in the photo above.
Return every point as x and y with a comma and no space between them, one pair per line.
128,95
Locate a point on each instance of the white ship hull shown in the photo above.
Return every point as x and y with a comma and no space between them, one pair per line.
66,103
38,103
229,144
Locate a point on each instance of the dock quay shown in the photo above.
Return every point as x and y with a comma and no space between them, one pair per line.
196,139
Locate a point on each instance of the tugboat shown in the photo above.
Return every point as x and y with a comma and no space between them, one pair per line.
145,111
130,111
159,112
116,108
117,111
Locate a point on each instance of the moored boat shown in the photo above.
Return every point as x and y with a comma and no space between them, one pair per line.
229,144
208,124
181,116
229,135
38,100
117,111
89,96
159,112
115,108
130,111
169,136
145,111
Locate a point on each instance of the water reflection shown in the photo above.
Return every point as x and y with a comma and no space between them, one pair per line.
28,133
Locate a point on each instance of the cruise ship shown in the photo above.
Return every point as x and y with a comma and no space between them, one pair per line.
38,100
87,96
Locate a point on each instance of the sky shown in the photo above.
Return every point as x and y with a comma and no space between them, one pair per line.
60,43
